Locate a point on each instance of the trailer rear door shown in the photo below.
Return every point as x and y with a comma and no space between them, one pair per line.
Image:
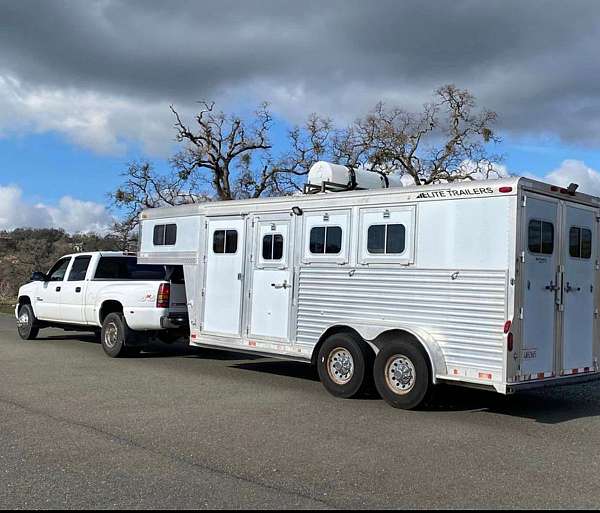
541,280
579,253
561,254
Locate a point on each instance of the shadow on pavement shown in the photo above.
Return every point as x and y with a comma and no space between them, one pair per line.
553,405
281,368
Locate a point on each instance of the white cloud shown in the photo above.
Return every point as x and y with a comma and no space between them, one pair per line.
99,122
69,213
576,171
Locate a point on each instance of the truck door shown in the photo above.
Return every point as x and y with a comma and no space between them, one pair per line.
579,257
272,277
73,291
49,293
541,286
224,273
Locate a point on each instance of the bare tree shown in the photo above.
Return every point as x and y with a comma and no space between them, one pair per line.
222,157
447,141
231,153
225,156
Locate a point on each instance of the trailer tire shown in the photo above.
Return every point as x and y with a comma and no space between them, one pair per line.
402,376
116,337
344,364
27,324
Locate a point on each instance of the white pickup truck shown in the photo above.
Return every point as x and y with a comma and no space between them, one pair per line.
107,292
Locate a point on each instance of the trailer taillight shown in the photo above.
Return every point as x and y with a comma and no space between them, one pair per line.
507,326
505,189
509,342
163,296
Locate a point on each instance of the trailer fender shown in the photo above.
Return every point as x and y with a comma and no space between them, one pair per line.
375,336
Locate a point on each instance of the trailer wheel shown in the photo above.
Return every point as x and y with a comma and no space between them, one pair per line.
344,364
27,325
116,337
402,375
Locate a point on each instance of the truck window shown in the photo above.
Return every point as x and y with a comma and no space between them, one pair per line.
127,268
57,273
386,239
541,237
79,268
272,246
325,240
580,242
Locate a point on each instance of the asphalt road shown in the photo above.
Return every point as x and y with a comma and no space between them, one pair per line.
208,429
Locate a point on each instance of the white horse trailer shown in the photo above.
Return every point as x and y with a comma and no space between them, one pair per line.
491,284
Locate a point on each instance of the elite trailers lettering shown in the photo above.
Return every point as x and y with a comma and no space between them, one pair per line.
453,193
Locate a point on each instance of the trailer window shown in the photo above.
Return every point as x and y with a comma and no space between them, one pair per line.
580,242
386,239
325,240
79,268
541,237
225,241
165,235
272,247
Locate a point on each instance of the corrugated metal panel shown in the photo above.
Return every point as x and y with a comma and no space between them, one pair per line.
465,315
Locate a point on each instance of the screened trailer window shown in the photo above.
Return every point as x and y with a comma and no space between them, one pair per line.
225,241
272,247
165,235
386,239
541,237
580,242
325,240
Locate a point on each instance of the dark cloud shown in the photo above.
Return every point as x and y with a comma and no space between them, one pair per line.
535,62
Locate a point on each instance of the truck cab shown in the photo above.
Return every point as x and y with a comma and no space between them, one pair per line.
82,290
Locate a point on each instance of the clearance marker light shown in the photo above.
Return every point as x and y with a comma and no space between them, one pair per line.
505,189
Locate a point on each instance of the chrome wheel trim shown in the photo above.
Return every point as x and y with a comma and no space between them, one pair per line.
23,320
111,335
340,366
400,374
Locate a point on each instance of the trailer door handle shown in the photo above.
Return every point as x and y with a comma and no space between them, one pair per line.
57,289
77,289
283,285
568,288
552,287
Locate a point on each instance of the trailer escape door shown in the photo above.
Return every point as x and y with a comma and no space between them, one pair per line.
272,278
224,275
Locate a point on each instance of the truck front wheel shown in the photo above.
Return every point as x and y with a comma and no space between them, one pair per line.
116,337
27,323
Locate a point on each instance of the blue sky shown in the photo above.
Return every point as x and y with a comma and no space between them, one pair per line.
48,167
82,96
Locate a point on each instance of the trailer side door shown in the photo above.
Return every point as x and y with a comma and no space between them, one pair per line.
224,275
272,277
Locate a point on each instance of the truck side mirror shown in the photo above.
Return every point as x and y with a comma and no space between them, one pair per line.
38,276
